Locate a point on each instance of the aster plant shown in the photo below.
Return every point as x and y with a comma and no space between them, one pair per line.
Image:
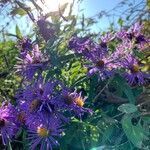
46,104
105,61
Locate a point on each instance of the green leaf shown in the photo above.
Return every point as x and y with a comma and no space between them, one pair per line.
18,11
127,108
134,133
120,22
122,84
18,32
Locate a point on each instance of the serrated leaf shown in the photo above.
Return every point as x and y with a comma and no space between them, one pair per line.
127,108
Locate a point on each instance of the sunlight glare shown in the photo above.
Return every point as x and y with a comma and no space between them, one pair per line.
53,5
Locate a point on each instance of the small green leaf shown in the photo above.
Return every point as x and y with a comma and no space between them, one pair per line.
120,22
18,32
127,108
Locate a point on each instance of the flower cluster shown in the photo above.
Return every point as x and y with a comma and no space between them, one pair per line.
42,107
31,60
45,106
106,60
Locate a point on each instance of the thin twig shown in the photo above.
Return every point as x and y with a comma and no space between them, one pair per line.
25,9
96,97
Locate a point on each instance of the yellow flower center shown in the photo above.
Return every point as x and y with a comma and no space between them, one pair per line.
135,69
34,105
79,101
100,63
43,132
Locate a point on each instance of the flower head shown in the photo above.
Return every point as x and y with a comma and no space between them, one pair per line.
8,127
133,73
134,35
80,44
43,131
101,63
72,102
37,97
33,62
100,60
25,46
46,29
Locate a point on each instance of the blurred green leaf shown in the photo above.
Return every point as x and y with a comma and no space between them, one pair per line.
123,85
134,133
120,22
127,108
18,11
18,32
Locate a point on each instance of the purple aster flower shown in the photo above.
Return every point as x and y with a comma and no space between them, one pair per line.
131,33
43,131
8,127
80,44
107,37
37,97
122,51
136,29
33,62
97,54
134,36
46,29
142,42
140,39
102,63
25,45
122,34
72,102
133,73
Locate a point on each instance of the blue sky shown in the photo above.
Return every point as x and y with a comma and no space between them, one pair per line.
91,7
